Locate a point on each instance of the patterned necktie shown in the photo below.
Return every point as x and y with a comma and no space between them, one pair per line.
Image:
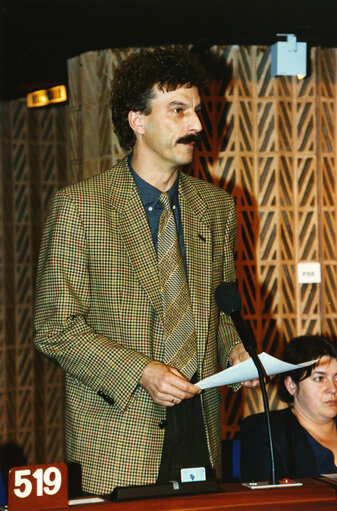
180,337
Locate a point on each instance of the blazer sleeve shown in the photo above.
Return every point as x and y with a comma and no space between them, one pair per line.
62,302
227,334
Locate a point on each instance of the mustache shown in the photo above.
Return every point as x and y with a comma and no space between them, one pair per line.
194,138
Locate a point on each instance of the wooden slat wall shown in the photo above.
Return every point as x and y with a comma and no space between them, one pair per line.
33,163
326,65
271,142
267,141
275,152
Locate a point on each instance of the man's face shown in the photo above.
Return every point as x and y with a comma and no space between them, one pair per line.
171,129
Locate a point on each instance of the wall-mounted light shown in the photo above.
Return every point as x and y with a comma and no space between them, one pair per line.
289,58
45,97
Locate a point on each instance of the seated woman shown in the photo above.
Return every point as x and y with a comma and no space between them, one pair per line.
304,435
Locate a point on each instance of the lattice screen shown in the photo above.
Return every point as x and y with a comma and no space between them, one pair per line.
34,164
271,142
275,151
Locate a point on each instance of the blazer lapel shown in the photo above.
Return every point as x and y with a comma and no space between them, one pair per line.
198,246
136,233
137,237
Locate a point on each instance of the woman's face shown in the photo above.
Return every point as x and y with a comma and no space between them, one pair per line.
315,397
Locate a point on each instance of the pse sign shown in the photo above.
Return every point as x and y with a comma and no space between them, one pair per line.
38,487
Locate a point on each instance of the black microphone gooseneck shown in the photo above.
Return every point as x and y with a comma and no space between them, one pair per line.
228,300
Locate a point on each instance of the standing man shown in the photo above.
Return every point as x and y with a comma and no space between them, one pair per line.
129,263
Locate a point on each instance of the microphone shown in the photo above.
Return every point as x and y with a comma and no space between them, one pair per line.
228,299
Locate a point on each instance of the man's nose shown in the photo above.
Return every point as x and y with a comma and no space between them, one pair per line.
194,125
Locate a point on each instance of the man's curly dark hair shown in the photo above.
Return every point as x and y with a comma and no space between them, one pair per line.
133,81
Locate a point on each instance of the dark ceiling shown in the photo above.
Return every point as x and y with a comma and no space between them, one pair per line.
38,36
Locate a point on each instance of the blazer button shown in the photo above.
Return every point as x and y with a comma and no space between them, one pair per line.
163,424
106,398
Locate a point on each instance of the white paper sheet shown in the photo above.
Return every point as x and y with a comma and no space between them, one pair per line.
247,371
85,500
330,476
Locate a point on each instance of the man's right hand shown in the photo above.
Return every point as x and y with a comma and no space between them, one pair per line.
166,385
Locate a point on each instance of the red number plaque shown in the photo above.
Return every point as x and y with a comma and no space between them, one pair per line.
38,487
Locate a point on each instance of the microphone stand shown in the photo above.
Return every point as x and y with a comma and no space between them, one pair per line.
228,299
249,346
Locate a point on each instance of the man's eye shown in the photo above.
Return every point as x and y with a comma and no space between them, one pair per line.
178,110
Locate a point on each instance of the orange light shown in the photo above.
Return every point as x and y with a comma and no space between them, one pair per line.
45,97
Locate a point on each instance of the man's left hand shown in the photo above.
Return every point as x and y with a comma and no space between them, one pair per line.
239,354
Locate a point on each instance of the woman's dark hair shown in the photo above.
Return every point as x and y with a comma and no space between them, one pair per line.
133,81
303,349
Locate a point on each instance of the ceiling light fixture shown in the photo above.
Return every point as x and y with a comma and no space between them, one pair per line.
45,97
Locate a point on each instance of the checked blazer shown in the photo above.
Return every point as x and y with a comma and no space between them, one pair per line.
98,315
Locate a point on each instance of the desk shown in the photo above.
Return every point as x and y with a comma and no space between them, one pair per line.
314,495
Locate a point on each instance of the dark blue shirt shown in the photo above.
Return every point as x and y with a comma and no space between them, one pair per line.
323,456
150,196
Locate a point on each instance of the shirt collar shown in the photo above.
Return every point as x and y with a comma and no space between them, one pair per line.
149,194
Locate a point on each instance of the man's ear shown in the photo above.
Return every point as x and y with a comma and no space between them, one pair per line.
136,122
290,385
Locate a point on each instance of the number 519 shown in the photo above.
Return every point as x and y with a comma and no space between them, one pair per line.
38,487
47,481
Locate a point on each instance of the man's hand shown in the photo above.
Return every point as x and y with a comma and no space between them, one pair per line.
166,385
239,354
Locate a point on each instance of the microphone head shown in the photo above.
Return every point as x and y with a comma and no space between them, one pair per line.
227,297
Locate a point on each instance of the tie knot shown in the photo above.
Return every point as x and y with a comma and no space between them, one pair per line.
165,201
